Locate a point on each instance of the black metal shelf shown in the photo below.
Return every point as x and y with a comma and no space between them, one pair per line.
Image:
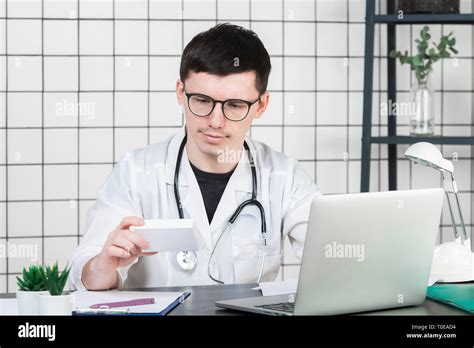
405,139
461,18
392,140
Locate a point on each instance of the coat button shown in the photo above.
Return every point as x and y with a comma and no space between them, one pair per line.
235,251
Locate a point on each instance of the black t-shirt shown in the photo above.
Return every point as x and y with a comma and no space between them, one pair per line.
212,187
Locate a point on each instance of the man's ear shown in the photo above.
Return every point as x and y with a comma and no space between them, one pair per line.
180,92
262,104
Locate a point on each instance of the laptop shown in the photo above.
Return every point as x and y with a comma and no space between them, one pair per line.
363,252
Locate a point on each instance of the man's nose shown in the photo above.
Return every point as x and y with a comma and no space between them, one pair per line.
216,119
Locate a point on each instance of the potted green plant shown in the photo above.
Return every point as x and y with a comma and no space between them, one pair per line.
55,302
30,284
422,93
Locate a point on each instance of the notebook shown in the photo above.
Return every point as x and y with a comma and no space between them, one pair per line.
457,295
163,304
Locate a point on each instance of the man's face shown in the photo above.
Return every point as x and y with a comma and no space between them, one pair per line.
215,133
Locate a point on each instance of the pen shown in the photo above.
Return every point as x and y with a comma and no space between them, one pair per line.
135,302
101,311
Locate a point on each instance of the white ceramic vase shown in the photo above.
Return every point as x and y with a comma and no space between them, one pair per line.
28,302
55,305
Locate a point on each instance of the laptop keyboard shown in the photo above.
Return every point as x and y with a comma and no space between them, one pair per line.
281,307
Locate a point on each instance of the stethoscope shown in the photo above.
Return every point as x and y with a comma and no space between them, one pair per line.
187,260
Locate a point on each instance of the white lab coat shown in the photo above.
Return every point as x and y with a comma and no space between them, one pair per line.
141,184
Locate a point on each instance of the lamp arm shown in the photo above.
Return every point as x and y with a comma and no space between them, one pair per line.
455,189
456,234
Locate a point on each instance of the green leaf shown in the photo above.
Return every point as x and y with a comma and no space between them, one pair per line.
55,281
444,54
425,36
418,75
393,54
416,60
30,279
21,284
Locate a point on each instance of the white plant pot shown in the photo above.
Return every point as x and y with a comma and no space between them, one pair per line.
28,302
55,305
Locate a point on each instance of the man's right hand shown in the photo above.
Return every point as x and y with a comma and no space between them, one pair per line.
121,249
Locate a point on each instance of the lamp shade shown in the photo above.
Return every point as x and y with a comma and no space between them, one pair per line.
428,155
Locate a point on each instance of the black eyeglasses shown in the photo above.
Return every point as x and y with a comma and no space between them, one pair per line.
233,109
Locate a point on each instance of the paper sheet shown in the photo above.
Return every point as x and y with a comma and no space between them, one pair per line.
84,299
8,306
278,288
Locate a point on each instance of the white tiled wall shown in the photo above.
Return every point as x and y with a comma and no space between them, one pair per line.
118,60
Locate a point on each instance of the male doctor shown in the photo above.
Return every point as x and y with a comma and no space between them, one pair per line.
222,88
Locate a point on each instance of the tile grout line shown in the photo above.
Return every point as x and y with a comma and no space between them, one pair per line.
283,269
472,133
250,27
171,55
441,237
6,147
273,90
447,225
347,96
182,49
148,73
315,93
189,20
114,67
379,146
78,171
454,125
410,164
42,132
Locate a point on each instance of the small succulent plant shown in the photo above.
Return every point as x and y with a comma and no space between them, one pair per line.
55,281
31,279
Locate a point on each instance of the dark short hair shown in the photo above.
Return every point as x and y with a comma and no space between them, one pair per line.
227,49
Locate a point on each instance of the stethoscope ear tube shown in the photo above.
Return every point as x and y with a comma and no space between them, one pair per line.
176,177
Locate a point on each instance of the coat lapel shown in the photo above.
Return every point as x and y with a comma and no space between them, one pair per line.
193,204
190,193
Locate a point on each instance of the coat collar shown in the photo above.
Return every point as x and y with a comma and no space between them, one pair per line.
241,179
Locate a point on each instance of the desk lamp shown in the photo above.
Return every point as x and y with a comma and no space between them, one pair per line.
452,261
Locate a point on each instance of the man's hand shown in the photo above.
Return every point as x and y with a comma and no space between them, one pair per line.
121,249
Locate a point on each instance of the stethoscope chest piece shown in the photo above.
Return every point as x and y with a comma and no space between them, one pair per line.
187,260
